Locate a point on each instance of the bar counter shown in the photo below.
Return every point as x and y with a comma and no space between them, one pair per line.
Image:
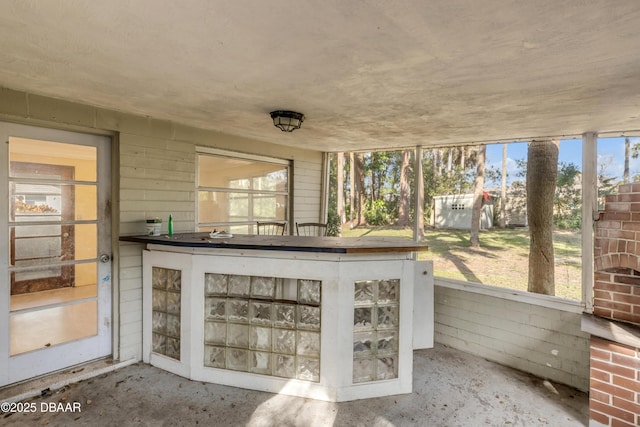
327,318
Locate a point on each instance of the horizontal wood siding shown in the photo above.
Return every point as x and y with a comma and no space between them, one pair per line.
543,341
155,178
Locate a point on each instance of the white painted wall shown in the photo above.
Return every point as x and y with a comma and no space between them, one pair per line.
533,333
155,178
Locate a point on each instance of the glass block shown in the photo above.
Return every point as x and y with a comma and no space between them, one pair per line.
239,285
388,291
174,280
364,292
309,291
363,318
237,335
387,342
237,310
173,302
263,287
159,343
308,317
260,338
363,343
173,325
237,359
260,312
284,341
214,357
158,278
284,366
363,370
284,315
308,369
215,284
308,343
159,300
173,348
215,333
159,322
215,308
387,316
386,368
260,362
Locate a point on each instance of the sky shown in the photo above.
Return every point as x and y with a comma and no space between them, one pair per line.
610,154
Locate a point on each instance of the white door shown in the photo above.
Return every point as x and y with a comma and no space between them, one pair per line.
55,250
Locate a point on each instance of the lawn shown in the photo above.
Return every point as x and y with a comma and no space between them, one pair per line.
501,260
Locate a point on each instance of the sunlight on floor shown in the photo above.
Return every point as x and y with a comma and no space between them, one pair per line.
38,328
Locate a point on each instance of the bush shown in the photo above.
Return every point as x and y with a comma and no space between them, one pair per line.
376,213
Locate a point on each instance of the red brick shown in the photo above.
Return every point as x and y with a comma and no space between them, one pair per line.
600,294
597,416
614,369
619,216
610,225
625,317
636,290
600,396
635,216
626,405
613,411
634,207
621,348
619,423
620,206
617,306
614,197
600,375
633,188
600,354
626,383
629,197
627,280
602,312
601,275
630,299
611,389
620,234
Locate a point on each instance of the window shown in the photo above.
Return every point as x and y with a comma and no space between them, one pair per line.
234,192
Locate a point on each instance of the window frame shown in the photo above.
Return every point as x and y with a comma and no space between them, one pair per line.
213,152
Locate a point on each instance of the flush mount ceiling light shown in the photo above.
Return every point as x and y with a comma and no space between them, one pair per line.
287,121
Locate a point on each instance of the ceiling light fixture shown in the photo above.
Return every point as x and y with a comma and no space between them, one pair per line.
287,121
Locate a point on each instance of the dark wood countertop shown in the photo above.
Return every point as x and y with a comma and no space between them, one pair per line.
345,245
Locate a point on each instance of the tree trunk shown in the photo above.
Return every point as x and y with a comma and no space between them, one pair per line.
627,153
542,174
352,190
405,190
359,177
503,189
478,191
340,191
373,177
462,157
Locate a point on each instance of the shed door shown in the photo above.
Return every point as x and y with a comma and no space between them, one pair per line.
55,260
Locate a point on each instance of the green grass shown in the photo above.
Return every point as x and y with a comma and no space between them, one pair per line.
501,260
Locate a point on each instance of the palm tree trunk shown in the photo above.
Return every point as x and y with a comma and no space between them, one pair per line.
478,191
542,174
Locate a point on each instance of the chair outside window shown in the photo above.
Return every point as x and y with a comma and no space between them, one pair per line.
271,228
311,229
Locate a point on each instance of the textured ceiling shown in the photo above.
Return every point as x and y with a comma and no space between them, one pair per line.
367,74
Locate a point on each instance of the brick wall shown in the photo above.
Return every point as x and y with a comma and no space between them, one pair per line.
615,366
617,295
614,398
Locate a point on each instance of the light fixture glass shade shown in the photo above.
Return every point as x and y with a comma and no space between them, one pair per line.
287,121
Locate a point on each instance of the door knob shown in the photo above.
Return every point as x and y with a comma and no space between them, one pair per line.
105,258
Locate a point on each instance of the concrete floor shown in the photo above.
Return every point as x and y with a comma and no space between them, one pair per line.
451,388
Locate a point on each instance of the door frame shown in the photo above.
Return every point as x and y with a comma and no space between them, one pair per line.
36,362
